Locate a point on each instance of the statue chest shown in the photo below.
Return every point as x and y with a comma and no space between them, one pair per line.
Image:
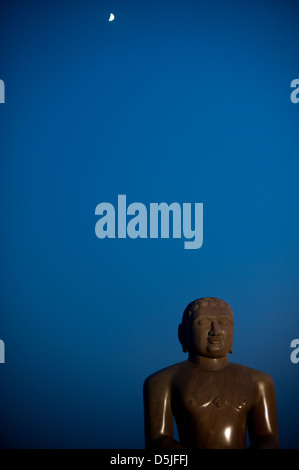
211,392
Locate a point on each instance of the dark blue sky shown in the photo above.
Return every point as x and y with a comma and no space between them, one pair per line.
181,101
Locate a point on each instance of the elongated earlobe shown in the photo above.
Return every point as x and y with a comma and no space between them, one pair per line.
231,342
182,338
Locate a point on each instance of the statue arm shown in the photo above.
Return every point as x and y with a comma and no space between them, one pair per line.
158,418
262,420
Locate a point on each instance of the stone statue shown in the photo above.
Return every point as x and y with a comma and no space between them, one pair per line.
213,401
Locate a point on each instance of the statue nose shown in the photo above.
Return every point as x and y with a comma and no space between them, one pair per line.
215,328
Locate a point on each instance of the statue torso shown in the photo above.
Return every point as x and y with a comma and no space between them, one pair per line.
211,407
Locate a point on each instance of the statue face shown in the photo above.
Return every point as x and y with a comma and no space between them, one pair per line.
210,334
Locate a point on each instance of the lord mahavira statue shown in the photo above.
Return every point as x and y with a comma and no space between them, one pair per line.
214,401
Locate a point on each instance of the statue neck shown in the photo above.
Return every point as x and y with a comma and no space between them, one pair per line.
209,363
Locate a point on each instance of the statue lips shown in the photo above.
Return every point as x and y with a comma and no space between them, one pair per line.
215,340
215,343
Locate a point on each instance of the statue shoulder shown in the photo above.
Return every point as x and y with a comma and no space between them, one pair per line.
164,376
260,379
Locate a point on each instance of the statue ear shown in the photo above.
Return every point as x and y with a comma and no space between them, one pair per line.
182,338
231,344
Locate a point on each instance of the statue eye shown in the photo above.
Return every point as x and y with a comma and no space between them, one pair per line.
203,322
224,322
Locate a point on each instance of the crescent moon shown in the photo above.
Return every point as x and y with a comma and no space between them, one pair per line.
111,17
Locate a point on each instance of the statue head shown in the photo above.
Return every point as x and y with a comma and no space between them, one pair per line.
207,328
